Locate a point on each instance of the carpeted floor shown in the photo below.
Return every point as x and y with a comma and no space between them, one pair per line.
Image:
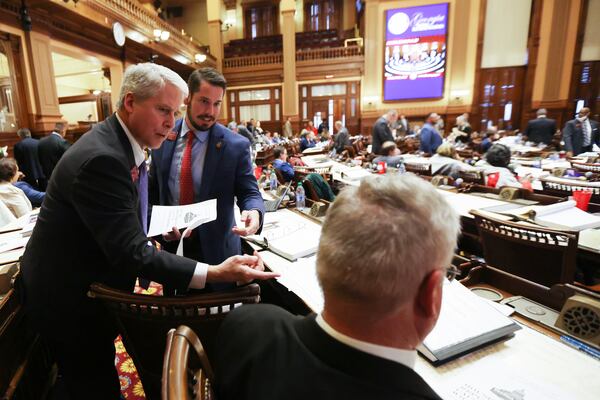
131,386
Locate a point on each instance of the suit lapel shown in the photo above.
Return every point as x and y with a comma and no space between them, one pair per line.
214,153
116,127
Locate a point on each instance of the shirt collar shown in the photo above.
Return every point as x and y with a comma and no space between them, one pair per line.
407,358
57,134
138,153
200,135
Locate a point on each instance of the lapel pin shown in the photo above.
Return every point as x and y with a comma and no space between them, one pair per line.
219,145
134,173
171,136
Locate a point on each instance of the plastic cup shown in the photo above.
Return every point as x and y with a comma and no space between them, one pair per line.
257,172
582,198
492,179
381,167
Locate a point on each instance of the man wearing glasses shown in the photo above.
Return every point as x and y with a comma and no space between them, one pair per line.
382,285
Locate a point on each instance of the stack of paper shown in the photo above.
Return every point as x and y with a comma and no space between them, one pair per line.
565,216
289,234
466,322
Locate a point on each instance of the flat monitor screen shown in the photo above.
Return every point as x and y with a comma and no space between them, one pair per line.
415,52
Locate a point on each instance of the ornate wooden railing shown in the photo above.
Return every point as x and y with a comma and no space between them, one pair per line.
328,52
251,61
133,14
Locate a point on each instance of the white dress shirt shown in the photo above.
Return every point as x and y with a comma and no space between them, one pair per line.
15,199
199,278
401,356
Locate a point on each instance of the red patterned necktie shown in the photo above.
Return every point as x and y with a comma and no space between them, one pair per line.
186,185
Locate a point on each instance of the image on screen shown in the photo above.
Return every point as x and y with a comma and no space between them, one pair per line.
415,52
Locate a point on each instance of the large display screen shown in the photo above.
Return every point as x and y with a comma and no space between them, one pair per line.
415,52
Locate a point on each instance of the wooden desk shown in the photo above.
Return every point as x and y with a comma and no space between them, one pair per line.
534,362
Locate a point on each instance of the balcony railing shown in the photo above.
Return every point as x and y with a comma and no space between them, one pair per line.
134,15
252,61
328,52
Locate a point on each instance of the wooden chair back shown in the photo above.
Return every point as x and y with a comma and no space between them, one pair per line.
144,321
419,169
187,373
586,167
477,177
310,191
564,189
545,256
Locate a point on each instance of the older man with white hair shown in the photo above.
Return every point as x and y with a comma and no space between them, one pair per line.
382,286
92,228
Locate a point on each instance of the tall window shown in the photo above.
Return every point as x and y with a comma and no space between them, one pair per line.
260,19
320,15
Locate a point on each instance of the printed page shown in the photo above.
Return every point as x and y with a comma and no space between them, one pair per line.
164,218
530,366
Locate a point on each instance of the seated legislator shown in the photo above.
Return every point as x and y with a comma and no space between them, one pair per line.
35,196
382,286
445,161
281,164
391,155
307,140
13,197
497,160
92,228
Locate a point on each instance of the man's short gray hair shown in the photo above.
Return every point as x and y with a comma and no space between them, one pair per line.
392,113
145,80
541,111
24,133
380,240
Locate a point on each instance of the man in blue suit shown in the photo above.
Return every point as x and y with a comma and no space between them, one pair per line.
218,165
430,137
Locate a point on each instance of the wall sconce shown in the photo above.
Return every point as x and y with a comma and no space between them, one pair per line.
199,58
160,35
225,26
370,101
457,96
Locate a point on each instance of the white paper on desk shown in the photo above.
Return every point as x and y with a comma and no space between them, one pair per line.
164,218
530,366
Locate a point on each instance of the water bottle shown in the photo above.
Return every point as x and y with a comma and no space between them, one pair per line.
273,180
401,168
300,197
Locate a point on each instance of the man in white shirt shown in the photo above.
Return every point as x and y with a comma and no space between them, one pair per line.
382,286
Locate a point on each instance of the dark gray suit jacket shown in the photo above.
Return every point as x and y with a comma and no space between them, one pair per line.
50,149
573,135
381,134
540,130
342,139
264,352
87,231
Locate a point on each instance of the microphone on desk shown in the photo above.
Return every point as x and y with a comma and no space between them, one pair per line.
458,182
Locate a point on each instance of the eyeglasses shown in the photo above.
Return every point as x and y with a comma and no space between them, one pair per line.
452,272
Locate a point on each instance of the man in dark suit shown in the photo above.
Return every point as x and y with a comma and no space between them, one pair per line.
580,134
219,167
91,228
51,148
429,136
541,129
26,154
382,132
379,304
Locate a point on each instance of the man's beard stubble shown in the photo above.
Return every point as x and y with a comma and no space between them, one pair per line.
195,125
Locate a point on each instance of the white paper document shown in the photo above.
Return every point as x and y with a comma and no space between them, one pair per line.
164,218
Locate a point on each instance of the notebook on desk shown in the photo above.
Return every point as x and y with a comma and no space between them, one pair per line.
467,322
